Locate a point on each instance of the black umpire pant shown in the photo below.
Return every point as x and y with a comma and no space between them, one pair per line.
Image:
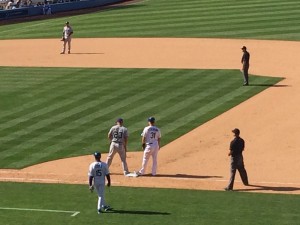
237,163
245,73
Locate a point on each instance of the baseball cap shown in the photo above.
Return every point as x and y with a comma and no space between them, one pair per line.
151,119
97,154
236,131
244,47
120,120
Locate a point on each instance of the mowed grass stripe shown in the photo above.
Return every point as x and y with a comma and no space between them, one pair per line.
77,85
77,137
68,107
77,120
79,124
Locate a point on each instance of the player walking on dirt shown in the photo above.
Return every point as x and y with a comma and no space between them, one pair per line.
151,143
118,136
67,37
97,172
237,146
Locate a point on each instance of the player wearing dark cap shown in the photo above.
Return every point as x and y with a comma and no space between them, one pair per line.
151,143
237,146
118,137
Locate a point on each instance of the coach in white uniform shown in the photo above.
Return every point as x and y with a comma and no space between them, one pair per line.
97,172
151,143
118,137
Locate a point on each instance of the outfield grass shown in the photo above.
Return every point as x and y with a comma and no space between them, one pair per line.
257,19
50,113
144,206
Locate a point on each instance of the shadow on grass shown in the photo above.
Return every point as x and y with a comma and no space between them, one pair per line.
268,188
138,212
270,85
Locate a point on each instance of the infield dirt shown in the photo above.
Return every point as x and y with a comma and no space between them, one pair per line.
269,122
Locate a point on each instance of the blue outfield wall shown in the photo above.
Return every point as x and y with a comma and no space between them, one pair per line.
55,8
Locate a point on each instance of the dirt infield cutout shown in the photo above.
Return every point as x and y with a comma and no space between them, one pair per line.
269,122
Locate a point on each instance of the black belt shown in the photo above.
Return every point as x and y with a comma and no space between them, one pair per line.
149,143
117,142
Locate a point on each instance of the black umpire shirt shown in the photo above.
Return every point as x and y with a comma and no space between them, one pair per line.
246,58
237,146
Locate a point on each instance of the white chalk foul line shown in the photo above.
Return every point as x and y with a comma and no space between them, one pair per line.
74,213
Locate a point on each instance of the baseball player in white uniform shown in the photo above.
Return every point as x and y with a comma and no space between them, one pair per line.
151,143
66,38
97,172
118,137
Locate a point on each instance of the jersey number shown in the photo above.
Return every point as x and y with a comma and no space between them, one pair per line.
118,135
98,173
152,135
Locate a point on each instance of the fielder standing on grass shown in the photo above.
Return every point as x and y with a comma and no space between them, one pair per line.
237,146
118,137
67,37
151,143
97,172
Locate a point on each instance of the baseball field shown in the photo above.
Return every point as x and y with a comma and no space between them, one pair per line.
178,61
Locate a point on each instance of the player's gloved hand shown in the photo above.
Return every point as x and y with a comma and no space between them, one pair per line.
91,188
143,146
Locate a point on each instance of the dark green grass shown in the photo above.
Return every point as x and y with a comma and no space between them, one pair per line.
140,206
49,113
257,19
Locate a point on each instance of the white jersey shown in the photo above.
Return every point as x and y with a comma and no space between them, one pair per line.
151,134
98,170
67,31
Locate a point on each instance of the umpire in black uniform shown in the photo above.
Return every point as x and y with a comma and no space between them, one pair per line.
245,61
237,146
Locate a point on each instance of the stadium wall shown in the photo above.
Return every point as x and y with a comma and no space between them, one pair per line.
55,8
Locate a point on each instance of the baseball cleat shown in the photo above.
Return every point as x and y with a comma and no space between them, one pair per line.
228,189
138,173
62,53
107,208
99,211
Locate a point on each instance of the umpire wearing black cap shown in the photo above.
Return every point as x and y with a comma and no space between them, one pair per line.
237,146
